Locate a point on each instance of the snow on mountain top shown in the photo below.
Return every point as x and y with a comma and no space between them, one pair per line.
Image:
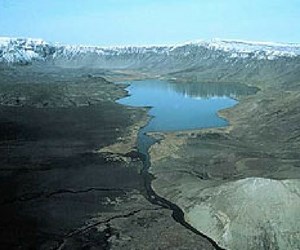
28,49
270,49
21,50
248,46
213,43
239,44
237,48
4,41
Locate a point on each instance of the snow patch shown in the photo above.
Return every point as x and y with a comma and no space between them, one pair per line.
26,50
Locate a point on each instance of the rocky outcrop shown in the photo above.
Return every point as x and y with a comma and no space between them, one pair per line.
252,213
26,50
239,185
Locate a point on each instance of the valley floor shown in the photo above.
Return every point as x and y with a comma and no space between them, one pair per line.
239,185
70,175
60,187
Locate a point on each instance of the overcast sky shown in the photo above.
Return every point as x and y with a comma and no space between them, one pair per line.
137,22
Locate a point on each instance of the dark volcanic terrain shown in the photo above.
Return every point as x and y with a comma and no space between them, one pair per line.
71,175
57,190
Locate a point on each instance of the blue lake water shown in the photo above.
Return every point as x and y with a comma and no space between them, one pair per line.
178,107
181,106
174,109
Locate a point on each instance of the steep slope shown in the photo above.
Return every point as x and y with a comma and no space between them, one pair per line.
235,214
21,50
24,51
253,63
237,185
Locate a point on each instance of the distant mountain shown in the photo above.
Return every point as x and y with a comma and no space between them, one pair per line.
253,63
24,50
27,50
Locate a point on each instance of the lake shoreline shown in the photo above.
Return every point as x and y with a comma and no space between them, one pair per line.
50,164
152,196
191,168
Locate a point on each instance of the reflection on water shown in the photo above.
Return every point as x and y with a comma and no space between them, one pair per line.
208,90
181,106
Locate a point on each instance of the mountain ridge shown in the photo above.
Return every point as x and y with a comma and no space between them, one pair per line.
27,50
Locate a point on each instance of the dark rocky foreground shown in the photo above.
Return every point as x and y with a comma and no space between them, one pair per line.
56,190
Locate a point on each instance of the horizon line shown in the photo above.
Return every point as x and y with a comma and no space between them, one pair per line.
174,44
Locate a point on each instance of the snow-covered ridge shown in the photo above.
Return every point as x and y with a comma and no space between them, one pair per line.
26,50
262,50
22,50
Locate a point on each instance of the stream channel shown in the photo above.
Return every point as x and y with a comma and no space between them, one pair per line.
178,107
